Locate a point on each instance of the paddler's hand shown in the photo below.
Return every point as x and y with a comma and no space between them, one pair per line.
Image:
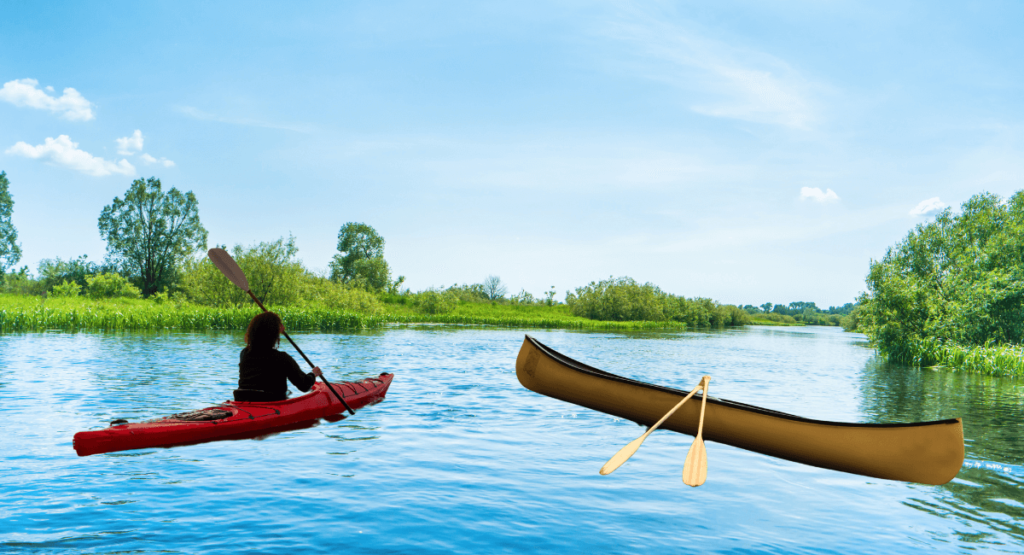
317,372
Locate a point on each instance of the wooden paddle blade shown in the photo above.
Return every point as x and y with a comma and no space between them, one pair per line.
227,266
622,456
695,471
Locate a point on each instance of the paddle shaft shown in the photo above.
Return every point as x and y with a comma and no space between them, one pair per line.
671,412
703,403
626,452
311,365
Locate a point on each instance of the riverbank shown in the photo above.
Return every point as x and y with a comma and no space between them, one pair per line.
19,313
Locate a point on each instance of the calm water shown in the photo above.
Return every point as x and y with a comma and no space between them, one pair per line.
461,458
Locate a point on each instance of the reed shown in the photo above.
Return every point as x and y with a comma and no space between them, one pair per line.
995,360
26,314
30,314
990,359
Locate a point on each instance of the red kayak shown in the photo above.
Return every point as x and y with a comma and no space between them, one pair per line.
235,420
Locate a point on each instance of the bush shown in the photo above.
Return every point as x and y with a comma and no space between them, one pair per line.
618,299
109,286
954,280
469,293
433,301
775,317
320,291
273,274
623,299
21,283
66,289
729,315
852,321
523,297
54,271
160,297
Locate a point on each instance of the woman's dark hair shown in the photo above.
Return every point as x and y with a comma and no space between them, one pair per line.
264,331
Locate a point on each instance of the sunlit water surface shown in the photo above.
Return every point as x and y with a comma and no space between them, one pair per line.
462,459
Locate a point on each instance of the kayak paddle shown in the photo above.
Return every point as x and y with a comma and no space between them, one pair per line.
695,470
626,452
227,266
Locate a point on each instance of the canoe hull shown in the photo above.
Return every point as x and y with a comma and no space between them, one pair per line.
246,420
927,452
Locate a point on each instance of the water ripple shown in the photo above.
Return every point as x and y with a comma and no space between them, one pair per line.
462,459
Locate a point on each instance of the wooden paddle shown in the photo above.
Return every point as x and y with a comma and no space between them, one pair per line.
227,266
626,452
695,470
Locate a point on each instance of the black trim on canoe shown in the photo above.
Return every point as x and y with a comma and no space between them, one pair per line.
587,369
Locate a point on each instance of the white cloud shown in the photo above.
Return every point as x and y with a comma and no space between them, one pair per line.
205,116
151,160
25,93
725,80
64,152
817,195
927,207
129,145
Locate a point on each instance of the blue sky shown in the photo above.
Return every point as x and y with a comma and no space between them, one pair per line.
743,151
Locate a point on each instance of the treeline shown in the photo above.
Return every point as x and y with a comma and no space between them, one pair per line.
806,313
156,250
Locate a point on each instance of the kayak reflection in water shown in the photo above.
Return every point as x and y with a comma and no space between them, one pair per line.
263,371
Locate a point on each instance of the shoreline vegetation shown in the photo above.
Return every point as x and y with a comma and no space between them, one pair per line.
950,294
20,313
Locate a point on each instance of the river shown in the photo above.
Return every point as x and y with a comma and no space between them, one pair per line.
460,458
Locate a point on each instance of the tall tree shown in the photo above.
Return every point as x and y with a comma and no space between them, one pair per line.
494,289
10,251
360,259
150,233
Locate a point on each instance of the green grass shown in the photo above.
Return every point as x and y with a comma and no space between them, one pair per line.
755,321
25,313
20,313
990,359
994,360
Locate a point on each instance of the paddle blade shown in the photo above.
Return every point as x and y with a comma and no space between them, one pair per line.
622,456
695,471
227,266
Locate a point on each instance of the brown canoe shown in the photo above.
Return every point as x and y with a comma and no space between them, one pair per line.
923,452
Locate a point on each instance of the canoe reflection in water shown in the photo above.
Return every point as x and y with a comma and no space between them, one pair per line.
922,452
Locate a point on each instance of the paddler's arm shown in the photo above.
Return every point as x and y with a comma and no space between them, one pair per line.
303,381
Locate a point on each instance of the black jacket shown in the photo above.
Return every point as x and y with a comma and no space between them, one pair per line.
270,370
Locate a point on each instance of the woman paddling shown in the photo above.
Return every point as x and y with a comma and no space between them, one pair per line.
263,371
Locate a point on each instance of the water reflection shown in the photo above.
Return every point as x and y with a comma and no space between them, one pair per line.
989,491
